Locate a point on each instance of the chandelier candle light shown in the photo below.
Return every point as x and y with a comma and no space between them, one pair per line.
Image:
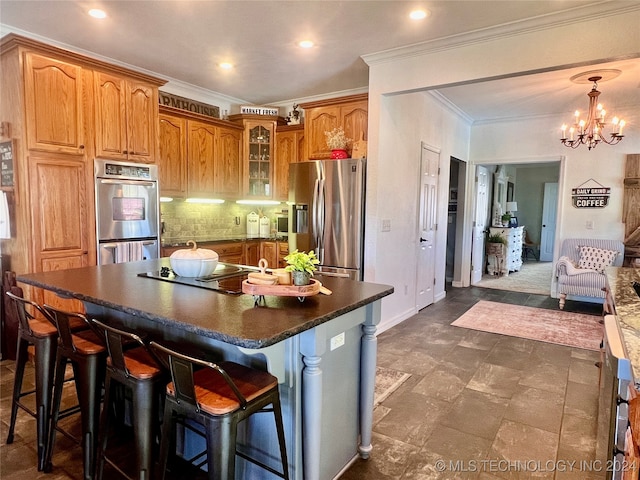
590,132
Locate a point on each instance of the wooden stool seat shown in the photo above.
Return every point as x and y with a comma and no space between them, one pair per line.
88,343
140,364
214,395
42,328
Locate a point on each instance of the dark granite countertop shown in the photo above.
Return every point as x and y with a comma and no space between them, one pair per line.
222,239
229,318
627,304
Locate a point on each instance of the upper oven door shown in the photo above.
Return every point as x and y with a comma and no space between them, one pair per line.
126,209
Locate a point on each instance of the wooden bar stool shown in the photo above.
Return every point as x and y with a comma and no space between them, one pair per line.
132,365
88,357
42,335
218,397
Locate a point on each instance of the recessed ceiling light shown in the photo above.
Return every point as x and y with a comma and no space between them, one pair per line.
306,44
226,66
97,13
419,14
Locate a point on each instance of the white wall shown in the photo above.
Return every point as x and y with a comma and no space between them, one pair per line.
399,119
393,192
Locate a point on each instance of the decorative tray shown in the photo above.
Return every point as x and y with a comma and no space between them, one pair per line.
282,290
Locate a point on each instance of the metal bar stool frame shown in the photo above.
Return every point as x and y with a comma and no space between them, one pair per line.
182,402
42,335
87,355
134,366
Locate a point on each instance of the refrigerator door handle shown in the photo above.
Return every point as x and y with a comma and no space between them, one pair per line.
314,212
320,220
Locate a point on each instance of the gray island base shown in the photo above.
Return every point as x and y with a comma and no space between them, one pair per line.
322,350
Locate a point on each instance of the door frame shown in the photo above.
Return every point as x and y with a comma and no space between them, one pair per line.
469,206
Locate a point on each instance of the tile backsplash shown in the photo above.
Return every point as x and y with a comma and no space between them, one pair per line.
200,222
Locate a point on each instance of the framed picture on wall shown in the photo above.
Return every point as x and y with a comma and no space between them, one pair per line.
509,191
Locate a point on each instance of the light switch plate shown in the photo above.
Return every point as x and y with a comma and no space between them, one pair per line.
386,225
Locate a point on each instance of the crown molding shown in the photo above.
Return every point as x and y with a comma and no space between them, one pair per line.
520,27
452,107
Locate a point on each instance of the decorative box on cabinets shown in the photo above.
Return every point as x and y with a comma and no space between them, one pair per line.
512,251
258,151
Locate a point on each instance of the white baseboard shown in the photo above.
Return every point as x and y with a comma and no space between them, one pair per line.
387,323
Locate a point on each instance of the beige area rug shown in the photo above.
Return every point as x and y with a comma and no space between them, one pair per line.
387,382
533,277
551,326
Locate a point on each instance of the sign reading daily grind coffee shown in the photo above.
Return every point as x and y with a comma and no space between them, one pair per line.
590,195
182,103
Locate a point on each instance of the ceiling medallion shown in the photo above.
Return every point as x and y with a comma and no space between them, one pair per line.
590,132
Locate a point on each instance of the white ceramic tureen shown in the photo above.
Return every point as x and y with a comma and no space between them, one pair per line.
194,261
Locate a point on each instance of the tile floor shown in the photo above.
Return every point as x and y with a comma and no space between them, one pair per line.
473,400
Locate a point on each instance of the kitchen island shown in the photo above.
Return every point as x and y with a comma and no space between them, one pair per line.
322,350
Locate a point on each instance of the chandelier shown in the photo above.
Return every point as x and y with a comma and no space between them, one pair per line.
590,132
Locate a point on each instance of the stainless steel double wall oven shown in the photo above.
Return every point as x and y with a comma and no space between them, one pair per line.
127,211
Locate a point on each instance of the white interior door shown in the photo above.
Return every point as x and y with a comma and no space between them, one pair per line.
425,275
549,213
479,223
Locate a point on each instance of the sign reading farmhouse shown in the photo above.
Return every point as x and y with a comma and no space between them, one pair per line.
590,195
182,103
253,110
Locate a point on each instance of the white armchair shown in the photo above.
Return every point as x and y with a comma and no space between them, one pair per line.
580,268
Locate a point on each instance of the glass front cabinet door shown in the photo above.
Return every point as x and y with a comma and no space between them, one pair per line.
259,161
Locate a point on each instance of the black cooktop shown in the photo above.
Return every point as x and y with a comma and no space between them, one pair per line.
226,278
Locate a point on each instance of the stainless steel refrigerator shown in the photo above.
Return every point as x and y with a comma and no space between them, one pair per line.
326,199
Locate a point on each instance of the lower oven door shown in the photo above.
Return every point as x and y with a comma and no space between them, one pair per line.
133,251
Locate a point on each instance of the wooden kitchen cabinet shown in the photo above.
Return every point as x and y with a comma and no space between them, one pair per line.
258,147
55,114
289,149
350,113
252,252
227,163
231,252
61,209
199,157
283,251
201,145
48,100
172,158
126,122
269,251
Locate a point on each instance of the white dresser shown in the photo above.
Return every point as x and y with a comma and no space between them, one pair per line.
512,251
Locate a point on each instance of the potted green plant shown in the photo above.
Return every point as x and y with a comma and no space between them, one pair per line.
301,265
495,241
506,218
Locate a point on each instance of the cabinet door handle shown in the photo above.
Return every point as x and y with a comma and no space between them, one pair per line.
81,147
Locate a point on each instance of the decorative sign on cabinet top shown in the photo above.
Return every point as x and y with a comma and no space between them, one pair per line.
182,103
590,195
253,110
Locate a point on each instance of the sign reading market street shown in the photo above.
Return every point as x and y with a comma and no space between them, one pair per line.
590,195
